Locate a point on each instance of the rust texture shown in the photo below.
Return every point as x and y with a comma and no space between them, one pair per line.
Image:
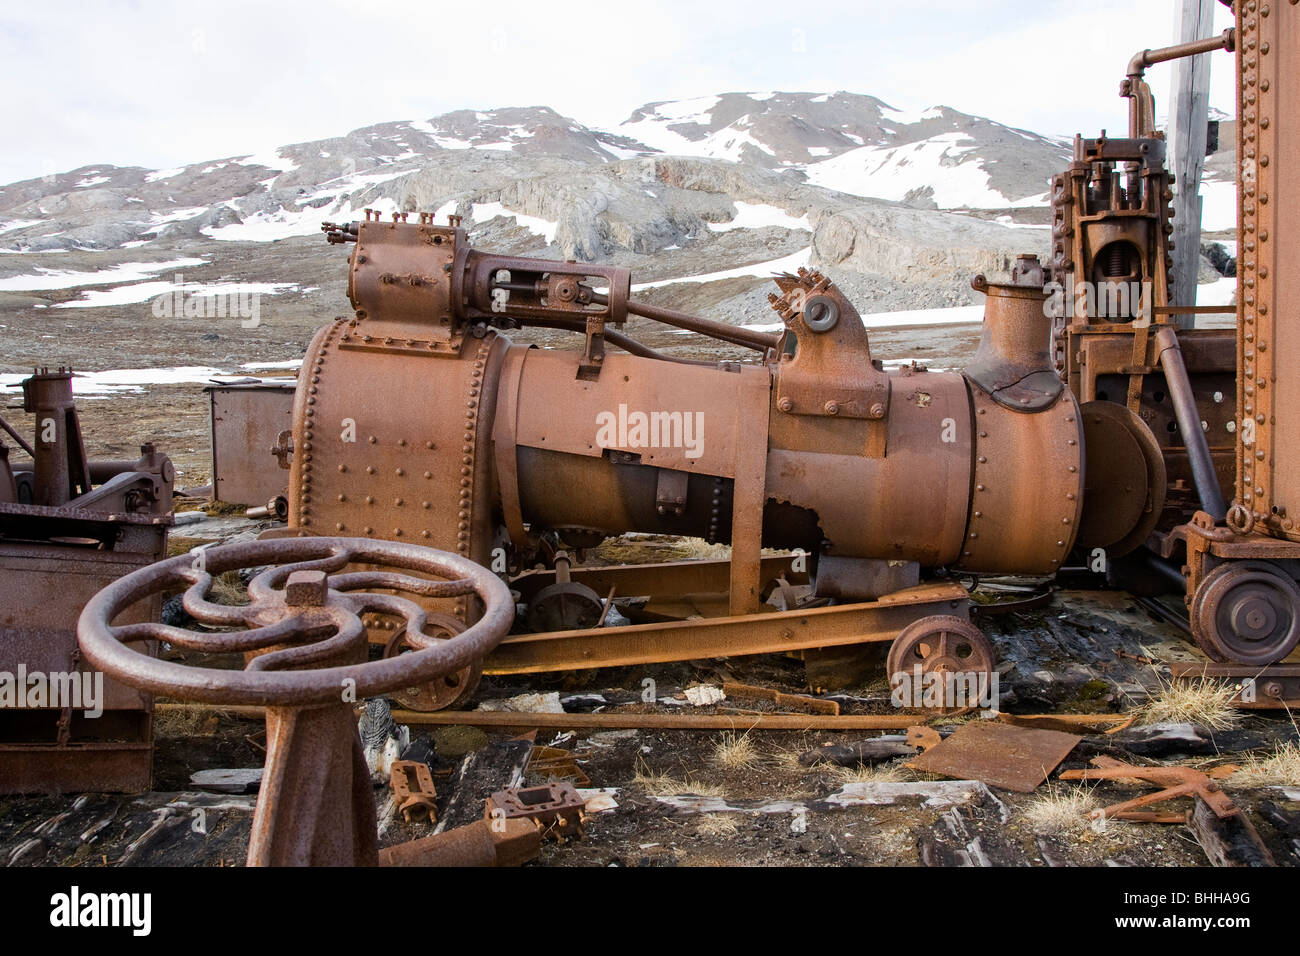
69,526
529,455
306,655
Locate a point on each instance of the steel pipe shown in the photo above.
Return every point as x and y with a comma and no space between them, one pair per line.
1189,423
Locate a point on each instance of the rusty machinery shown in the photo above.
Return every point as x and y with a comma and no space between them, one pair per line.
306,658
1216,400
69,526
417,420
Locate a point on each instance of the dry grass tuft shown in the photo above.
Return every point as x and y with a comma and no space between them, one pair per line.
888,772
662,785
1203,702
228,589
718,824
786,760
1281,768
736,753
1061,811
195,722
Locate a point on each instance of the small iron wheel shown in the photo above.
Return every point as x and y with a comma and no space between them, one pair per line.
947,645
564,606
449,691
1247,612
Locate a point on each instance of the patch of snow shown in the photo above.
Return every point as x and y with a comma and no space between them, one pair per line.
271,159
891,172
758,215
159,174
908,117
446,209
20,224
1218,206
157,221
761,270
126,379
290,363
45,279
482,212
92,181
698,109
819,150
147,291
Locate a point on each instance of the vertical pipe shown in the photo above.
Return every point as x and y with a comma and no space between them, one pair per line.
1189,423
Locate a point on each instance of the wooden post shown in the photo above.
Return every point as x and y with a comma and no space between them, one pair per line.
1188,118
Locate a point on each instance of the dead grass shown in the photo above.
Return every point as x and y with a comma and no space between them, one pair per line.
718,824
736,753
196,722
656,784
1281,768
1203,702
1057,810
786,760
888,772
228,589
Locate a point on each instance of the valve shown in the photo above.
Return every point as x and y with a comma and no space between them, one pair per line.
306,661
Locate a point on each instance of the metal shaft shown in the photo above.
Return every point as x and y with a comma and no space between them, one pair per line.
1189,423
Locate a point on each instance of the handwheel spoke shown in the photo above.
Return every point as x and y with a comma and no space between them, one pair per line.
265,585
402,582
197,606
350,633
309,628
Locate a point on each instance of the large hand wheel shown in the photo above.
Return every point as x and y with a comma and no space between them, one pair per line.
306,649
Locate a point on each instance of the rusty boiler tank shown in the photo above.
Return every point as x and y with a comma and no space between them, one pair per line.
416,419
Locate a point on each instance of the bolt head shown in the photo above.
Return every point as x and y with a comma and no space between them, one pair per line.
306,589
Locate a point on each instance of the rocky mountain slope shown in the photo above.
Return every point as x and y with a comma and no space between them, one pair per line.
899,208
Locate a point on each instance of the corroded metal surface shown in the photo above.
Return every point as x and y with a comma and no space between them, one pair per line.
1002,755
306,652
69,526
946,649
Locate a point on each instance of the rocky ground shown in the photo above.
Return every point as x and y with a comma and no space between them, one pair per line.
719,799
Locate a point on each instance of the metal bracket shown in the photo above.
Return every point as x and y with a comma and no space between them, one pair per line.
283,448
831,373
670,492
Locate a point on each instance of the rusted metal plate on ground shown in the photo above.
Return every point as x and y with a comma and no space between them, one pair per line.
1001,755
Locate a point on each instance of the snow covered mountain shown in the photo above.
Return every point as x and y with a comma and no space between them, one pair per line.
844,142
701,198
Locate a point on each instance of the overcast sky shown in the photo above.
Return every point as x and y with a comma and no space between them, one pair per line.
161,84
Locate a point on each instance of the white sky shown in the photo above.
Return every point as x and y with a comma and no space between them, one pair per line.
160,84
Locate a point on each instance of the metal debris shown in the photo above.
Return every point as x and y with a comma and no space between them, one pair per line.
1001,755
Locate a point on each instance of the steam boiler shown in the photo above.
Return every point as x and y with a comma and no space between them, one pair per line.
417,419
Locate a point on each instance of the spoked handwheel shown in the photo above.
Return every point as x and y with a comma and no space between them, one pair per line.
306,652
941,664
450,691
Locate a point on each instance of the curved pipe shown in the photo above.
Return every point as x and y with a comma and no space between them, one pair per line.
618,339
1141,111
1227,40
